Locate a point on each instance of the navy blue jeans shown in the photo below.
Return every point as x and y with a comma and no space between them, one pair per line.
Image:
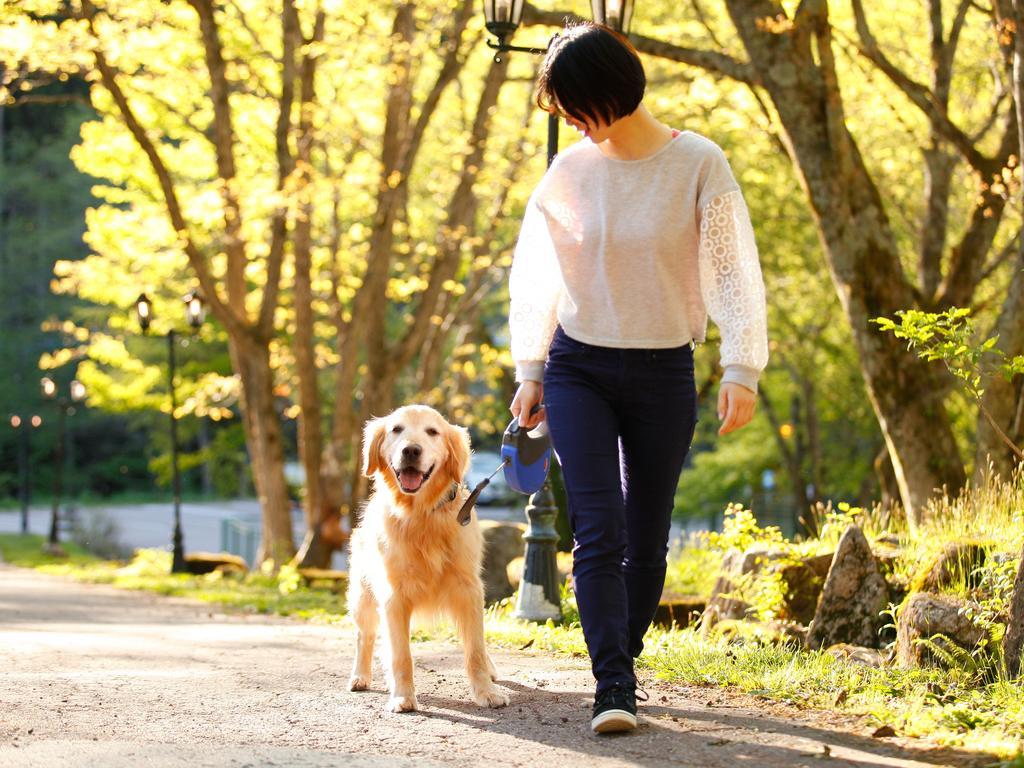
621,424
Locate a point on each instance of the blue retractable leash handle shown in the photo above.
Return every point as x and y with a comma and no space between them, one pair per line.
526,457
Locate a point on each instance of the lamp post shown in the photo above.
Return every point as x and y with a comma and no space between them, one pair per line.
24,429
502,17
65,407
538,598
195,313
613,13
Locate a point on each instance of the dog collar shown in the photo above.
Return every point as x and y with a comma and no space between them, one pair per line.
453,494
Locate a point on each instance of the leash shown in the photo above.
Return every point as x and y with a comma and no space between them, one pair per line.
467,507
524,457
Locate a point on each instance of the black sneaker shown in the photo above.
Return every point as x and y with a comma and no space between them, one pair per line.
614,709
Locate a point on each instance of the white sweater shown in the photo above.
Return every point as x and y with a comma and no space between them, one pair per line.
637,254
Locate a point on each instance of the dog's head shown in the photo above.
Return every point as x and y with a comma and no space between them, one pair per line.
416,451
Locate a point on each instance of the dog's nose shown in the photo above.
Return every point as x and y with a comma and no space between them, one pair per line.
411,452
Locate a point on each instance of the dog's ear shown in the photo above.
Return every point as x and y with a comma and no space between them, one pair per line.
456,462
373,439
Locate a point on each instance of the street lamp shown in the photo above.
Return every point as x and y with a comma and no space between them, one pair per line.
613,13
502,17
538,598
65,407
24,429
195,313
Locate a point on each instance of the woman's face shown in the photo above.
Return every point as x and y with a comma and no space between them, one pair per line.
594,129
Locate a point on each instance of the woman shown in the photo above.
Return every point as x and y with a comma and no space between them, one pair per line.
633,237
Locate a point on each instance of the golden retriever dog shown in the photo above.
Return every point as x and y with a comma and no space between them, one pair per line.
410,554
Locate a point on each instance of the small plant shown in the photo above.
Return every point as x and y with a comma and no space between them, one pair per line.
949,336
740,531
288,579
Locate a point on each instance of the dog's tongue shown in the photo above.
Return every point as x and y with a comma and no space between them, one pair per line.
411,479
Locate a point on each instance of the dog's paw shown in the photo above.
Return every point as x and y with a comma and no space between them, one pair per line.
490,697
401,704
358,682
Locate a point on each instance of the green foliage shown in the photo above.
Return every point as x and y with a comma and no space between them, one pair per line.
740,531
27,552
950,336
150,570
692,570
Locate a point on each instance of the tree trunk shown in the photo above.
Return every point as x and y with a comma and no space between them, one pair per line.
1004,400
313,552
251,359
906,393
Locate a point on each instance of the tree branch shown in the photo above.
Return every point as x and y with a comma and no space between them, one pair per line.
462,209
224,142
712,61
291,37
449,69
232,322
918,94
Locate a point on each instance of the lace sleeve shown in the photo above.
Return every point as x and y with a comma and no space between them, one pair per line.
535,284
732,287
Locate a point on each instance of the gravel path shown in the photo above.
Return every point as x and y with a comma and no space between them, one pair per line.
95,676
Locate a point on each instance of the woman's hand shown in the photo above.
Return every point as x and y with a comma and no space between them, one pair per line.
735,406
529,394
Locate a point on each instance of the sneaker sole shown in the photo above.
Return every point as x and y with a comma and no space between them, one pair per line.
613,721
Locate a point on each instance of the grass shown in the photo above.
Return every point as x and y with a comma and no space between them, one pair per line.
257,592
27,552
975,709
692,571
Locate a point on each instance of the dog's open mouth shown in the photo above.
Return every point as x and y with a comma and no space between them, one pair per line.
411,479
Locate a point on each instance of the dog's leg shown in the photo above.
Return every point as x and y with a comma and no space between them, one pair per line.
466,604
399,657
364,611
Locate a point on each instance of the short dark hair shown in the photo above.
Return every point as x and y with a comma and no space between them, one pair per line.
591,70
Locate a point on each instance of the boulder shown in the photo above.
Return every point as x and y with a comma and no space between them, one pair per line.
889,539
199,563
958,562
941,621
678,612
804,580
723,603
853,597
503,542
762,632
328,577
514,570
858,654
1013,640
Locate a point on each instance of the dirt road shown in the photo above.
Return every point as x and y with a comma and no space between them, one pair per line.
95,676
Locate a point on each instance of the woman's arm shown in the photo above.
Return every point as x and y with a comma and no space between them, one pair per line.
733,291
535,284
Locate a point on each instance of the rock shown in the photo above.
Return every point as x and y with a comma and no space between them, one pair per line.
804,580
888,558
922,618
853,597
1013,640
678,612
723,604
514,570
958,562
334,579
763,632
503,542
889,539
858,654
199,563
